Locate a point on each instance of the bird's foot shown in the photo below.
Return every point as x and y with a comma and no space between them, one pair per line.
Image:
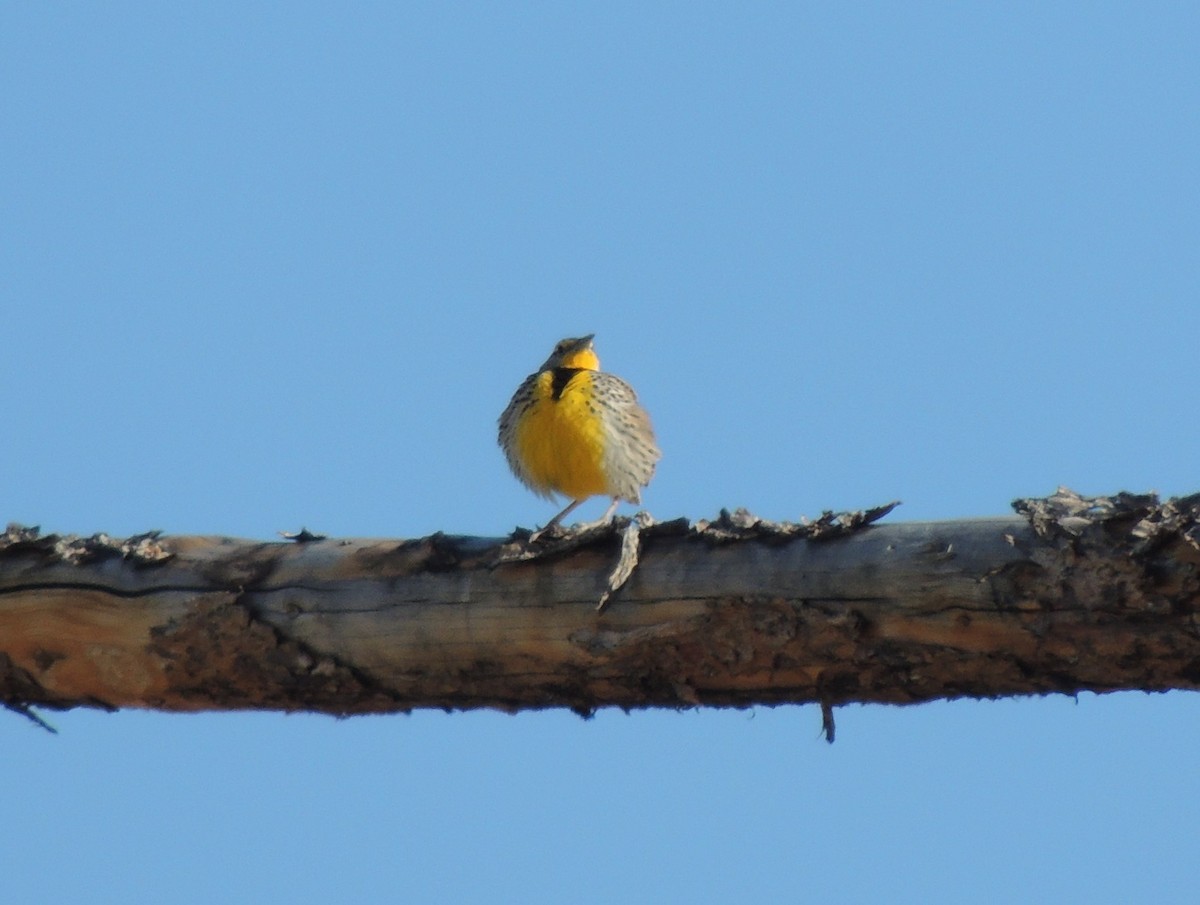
556,532
551,531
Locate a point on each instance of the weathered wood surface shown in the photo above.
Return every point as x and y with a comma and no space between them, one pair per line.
1078,595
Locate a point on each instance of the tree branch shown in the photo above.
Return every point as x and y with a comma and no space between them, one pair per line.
1080,594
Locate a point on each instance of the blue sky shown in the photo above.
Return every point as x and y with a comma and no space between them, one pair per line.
266,265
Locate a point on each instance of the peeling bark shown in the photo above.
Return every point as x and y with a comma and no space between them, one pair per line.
1080,594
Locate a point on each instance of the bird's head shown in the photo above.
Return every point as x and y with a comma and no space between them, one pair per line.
574,353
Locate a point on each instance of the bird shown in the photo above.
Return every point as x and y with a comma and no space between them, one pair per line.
576,431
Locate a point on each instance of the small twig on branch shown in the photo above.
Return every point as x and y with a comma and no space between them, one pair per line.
30,714
828,729
303,536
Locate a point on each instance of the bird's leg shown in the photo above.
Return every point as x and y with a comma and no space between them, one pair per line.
553,523
603,520
608,513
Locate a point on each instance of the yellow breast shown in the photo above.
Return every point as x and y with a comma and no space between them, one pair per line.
560,440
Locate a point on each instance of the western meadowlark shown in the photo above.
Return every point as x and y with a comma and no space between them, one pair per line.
573,430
